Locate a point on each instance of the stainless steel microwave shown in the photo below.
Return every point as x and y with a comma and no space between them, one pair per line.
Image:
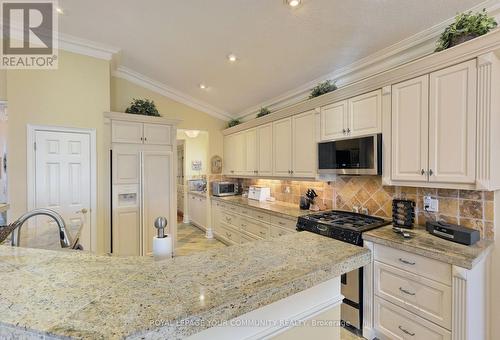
354,156
224,188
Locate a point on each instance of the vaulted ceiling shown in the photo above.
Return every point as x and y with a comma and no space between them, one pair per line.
183,43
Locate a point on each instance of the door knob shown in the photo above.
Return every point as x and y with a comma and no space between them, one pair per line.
82,211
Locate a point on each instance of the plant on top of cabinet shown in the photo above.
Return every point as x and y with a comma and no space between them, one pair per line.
264,111
322,88
143,107
467,26
233,122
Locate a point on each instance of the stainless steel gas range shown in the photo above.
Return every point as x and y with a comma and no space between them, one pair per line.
347,227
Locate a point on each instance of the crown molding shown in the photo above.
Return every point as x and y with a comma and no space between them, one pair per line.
404,51
164,90
86,47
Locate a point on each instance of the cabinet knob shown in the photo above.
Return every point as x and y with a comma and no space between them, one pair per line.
344,131
348,130
430,172
422,172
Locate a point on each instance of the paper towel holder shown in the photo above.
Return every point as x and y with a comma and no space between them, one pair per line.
160,224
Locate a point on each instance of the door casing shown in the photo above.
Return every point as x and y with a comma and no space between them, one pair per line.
31,171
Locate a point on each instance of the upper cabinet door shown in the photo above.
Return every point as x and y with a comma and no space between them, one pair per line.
265,150
228,161
157,134
334,121
282,145
452,124
304,145
251,166
410,126
239,156
365,114
126,132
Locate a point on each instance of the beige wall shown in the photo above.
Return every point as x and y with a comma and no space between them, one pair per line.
75,95
123,91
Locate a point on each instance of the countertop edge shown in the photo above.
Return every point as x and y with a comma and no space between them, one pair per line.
265,298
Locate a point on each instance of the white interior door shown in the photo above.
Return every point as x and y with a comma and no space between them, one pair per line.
62,183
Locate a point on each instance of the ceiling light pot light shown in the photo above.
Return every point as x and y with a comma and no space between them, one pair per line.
192,133
293,3
232,58
203,86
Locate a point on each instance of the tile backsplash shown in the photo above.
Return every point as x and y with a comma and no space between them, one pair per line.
468,208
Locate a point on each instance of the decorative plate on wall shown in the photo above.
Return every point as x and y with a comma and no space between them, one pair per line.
216,163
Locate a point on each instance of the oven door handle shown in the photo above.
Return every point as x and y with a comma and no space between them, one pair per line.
322,228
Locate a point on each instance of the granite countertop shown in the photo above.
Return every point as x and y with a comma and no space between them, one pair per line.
73,294
425,244
277,207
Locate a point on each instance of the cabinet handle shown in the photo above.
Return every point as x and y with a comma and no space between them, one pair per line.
406,291
422,172
145,138
142,139
406,262
261,217
344,131
348,130
281,223
405,331
430,172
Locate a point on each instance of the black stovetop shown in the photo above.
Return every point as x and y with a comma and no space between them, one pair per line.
341,225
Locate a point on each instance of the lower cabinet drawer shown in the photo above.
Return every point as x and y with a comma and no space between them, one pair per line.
244,238
426,298
277,231
284,222
261,230
228,233
229,218
260,216
416,264
393,322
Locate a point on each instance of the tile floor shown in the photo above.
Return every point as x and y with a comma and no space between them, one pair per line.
191,240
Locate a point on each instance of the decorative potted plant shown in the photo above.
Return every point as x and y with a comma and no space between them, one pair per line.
233,122
467,26
143,107
322,88
264,111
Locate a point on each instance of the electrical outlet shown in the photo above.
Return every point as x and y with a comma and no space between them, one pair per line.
431,204
287,190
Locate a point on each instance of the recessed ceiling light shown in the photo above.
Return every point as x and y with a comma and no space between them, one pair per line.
203,86
232,58
293,3
59,10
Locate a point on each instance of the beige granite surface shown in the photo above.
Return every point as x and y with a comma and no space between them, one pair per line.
78,295
425,244
277,207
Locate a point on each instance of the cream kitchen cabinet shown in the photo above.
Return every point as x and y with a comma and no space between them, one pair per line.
141,133
235,154
250,153
265,150
197,210
282,148
357,116
294,146
234,224
434,127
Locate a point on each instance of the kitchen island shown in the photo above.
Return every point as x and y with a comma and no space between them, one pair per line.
78,295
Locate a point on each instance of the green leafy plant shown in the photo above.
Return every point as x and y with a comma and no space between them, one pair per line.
467,26
143,107
233,122
264,111
322,88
